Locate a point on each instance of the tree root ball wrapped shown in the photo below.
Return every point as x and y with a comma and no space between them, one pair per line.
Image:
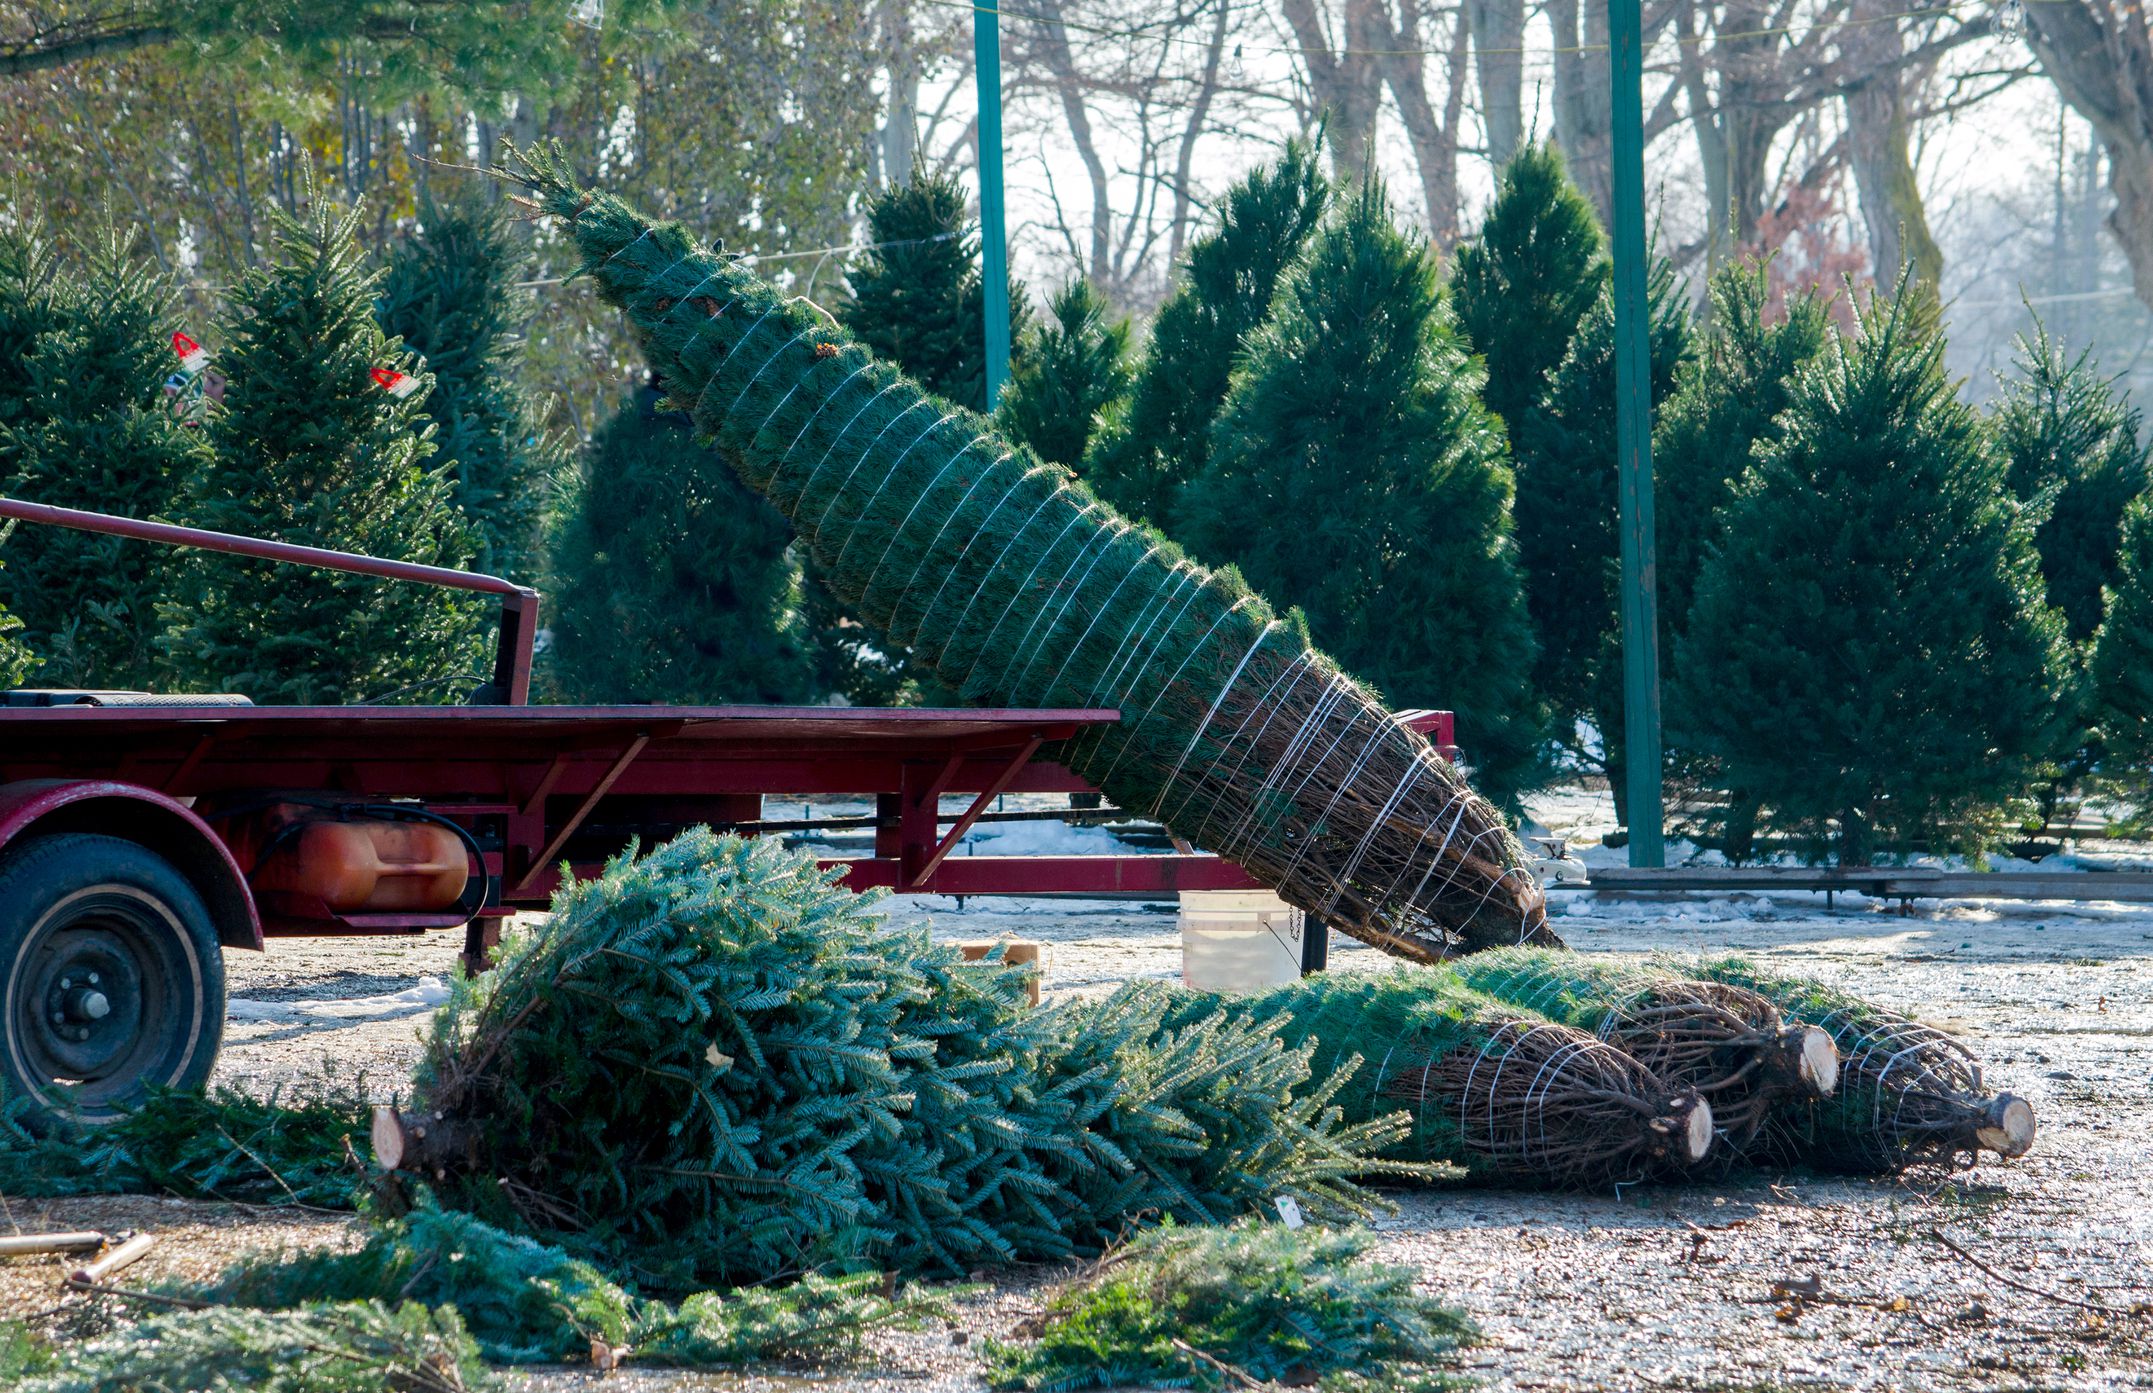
1018,587
1725,1041
1503,1093
1909,1095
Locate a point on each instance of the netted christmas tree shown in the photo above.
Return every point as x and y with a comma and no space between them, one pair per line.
1567,510
669,579
85,422
1908,1093
1499,1091
1016,587
716,1065
1522,287
1875,582
1726,1042
1077,370
1354,474
449,292
1140,463
2072,443
310,447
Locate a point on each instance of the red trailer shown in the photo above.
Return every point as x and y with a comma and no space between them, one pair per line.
141,835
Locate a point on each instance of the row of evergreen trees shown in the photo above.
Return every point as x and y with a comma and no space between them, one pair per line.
287,434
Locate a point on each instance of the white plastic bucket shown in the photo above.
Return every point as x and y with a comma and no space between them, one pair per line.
1239,940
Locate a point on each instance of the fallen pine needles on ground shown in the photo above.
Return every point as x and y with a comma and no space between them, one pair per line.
525,1302
1234,1308
358,1347
220,1146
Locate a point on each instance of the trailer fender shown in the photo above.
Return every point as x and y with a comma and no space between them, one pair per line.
44,807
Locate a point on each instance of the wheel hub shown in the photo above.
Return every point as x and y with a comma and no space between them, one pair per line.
87,981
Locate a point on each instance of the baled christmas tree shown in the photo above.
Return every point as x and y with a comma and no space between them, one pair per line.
85,422
309,447
669,578
1354,474
1018,588
1876,587
449,293
1140,463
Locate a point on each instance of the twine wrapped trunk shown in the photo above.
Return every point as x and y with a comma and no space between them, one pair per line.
1018,587
1505,1094
1908,1093
1725,1041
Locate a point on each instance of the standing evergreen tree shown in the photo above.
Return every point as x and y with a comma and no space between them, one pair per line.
2123,657
670,579
1524,285
1567,511
1225,293
2071,439
309,448
450,294
1354,473
1077,370
1869,654
1725,400
89,425
917,298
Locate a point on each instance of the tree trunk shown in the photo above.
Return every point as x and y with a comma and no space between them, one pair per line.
1584,103
1877,147
1498,32
897,145
1434,137
1347,85
2101,60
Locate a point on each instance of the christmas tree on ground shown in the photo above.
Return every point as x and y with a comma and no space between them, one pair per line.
310,446
1869,654
1264,221
1354,473
2071,438
450,295
917,299
670,580
2123,656
87,423
1522,287
1566,513
1077,370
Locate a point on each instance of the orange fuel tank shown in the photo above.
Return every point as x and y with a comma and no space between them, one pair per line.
367,865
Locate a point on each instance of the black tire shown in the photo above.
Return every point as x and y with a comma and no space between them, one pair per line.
111,981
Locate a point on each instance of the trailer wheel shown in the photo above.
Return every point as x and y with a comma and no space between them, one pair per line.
110,976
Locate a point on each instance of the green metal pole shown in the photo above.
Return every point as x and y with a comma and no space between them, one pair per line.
993,235
1633,435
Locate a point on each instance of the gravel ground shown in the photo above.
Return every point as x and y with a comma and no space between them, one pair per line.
1654,1287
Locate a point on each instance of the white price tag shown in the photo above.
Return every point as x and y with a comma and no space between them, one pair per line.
1289,1212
